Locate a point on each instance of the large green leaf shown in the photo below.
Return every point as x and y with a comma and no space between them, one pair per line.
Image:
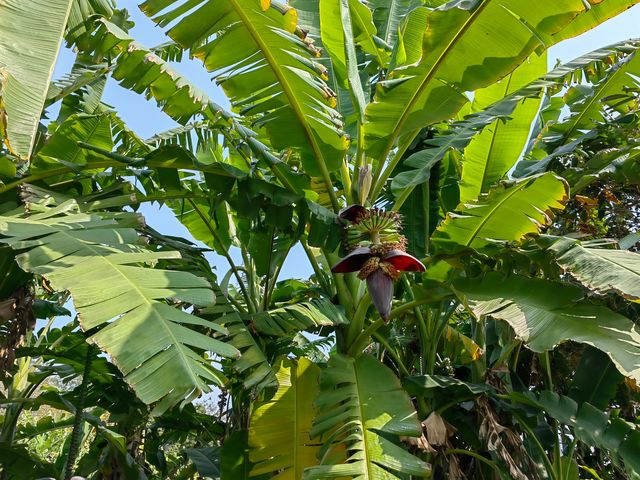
497,148
388,16
140,69
545,313
62,149
589,67
337,38
98,262
83,11
506,213
234,457
30,37
205,220
467,45
603,270
266,71
279,427
364,32
362,408
206,460
599,12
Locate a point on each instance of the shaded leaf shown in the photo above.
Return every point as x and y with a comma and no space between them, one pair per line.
602,270
312,314
595,380
544,314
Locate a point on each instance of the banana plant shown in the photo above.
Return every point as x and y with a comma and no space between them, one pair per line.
456,202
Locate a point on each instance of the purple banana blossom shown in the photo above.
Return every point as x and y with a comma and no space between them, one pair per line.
380,274
402,261
352,212
380,288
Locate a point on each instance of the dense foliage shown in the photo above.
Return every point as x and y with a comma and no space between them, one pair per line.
471,220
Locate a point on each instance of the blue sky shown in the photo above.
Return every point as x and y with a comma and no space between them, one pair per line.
146,119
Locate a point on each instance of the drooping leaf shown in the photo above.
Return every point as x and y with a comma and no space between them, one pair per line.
205,220
30,38
603,270
138,68
545,313
274,76
506,213
588,104
142,70
589,67
206,461
279,427
268,248
443,389
362,407
98,262
82,11
62,149
299,316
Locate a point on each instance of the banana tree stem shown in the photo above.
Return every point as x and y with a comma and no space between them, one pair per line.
357,322
361,341
74,445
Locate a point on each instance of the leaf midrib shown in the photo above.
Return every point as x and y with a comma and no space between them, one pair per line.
288,91
430,74
492,211
493,139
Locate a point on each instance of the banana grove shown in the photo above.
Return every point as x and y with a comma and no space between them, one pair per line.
470,218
